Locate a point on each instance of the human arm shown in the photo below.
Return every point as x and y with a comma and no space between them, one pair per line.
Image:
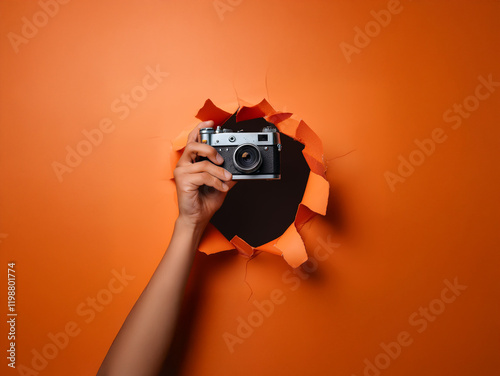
144,339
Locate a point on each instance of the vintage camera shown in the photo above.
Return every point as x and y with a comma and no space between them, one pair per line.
247,155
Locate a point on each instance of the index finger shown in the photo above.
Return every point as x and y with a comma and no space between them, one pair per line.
195,133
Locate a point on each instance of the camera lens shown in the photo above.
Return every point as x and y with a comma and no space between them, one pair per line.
247,158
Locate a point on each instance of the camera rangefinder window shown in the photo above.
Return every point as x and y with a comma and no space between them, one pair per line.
262,137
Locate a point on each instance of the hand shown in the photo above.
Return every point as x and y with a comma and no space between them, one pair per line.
201,185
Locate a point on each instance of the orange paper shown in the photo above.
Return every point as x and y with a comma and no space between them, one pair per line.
290,244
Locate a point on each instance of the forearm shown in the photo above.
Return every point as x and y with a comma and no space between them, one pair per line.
144,339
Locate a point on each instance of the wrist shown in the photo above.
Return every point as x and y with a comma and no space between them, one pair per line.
190,228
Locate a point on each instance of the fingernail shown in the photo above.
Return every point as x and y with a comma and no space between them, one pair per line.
219,158
225,186
227,174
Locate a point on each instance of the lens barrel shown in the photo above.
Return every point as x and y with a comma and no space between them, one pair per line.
247,158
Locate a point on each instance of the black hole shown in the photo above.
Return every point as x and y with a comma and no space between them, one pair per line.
258,210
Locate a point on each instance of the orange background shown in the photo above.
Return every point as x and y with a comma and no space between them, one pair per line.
116,209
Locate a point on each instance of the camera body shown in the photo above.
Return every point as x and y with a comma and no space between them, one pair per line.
247,155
